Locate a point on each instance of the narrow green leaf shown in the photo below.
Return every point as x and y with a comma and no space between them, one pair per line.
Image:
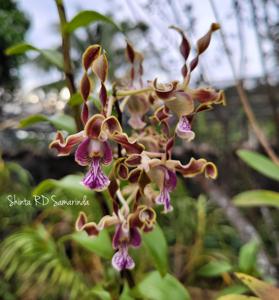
86,17
156,245
214,269
60,121
257,198
260,163
248,256
53,56
19,49
101,244
155,287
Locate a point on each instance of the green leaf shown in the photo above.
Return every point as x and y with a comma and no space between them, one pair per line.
60,121
260,163
75,100
70,183
101,244
214,269
257,198
233,289
53,56
248,256
19,49
86,17
155,287
100,293
125,295
156,245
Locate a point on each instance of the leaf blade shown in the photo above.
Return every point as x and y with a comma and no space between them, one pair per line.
260,163
162,288
86,17
156,244
257,198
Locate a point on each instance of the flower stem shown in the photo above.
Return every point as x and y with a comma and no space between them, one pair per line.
67,64
124,93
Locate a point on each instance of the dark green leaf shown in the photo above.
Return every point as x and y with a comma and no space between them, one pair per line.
155,287
101,244
214,268
156,245
85,18
257,198
260,163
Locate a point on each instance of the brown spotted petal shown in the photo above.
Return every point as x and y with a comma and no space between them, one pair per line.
194,167
90,54
182,104
203,43
64,147
133,160
161,114
94,125
134,175
81,221
208,95
144,218
121,171
100,67
131,145
185,46
130,53
111,126
164,91
85,86
92,228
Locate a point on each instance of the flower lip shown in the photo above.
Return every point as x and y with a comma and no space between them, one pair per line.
95,179
184,130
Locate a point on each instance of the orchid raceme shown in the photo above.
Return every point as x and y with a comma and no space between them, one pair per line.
139,151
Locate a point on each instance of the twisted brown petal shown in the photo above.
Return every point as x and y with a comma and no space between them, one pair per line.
64,147
90,54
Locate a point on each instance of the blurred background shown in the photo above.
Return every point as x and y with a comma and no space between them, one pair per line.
210,222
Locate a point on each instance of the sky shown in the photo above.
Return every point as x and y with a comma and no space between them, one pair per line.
159,16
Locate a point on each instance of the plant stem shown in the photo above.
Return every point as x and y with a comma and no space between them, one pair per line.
244,98
69,75
123,93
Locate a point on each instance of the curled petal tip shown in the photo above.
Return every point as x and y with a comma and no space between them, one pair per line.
91,229
211,171
81,221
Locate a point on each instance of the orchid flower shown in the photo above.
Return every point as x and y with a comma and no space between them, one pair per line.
127,231
94,149
162,171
